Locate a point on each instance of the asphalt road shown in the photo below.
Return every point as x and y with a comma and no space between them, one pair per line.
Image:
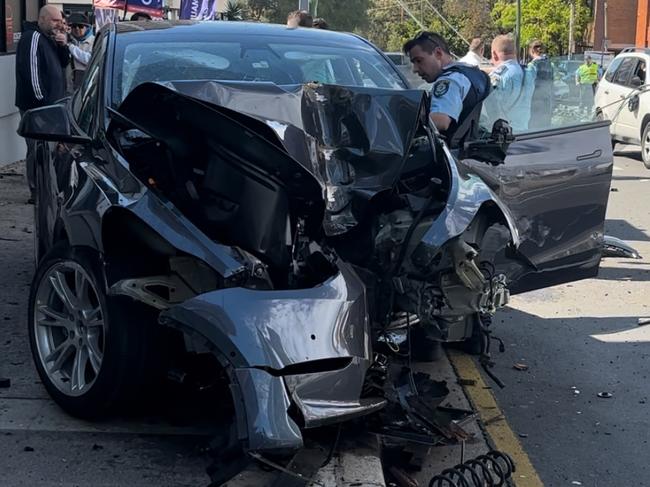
579,340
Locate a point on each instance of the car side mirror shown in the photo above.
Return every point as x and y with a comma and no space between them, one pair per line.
51,123
493,149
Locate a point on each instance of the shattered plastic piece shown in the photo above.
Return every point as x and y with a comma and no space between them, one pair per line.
5,382
523,435
605,395
576,392
519,366
575,482
615,247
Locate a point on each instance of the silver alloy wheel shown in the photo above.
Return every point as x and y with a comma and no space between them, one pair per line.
69,328
645,147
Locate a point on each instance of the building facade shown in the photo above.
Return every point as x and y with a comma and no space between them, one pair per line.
12,15
643,24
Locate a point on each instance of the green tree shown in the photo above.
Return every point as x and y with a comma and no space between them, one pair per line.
234,10
389,26
546,20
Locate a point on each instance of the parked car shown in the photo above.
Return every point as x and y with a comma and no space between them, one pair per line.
622,97
291,234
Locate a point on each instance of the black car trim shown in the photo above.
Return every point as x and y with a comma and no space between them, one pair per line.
563,130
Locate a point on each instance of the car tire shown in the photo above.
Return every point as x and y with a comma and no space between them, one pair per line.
90,349
645,145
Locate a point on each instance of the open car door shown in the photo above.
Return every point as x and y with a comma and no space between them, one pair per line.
556,185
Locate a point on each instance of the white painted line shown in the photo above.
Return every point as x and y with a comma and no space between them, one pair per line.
44,415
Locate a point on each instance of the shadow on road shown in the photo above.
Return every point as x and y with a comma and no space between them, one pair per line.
623,274
624,230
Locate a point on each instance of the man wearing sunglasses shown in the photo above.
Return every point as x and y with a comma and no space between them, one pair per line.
81,46
458,89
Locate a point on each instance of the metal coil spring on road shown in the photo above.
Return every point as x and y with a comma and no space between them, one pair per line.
493,469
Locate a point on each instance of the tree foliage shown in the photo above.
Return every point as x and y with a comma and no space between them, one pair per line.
389,26
546,20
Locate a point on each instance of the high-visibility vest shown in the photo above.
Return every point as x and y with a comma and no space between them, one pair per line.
588,74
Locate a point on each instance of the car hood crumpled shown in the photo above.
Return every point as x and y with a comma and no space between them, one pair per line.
353,140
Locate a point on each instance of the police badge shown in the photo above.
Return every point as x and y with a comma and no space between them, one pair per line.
440,88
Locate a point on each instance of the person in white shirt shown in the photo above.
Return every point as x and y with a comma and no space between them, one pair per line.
475,54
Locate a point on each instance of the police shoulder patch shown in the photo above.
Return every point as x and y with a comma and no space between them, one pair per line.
440,88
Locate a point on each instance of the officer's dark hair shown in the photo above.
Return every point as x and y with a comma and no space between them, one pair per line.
428,41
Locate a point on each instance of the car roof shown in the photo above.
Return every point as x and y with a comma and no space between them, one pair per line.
189,28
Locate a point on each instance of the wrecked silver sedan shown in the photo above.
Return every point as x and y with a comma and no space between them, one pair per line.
276,201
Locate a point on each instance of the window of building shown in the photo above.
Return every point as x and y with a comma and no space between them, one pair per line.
13,14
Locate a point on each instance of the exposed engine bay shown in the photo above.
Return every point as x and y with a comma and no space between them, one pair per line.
331,217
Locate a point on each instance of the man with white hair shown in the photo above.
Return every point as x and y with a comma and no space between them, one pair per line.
40,70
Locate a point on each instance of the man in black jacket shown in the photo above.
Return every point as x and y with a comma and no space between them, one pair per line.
40,70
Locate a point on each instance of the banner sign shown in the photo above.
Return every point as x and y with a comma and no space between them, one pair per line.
151,7
198,9
116,4
105,16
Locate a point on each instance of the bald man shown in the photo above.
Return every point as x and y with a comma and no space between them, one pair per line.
40,69
511,87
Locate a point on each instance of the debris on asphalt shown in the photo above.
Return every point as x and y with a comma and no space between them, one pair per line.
97,447
5,382
575,482
614,190
523,435
466,382
605,395
518,366
576,392
28,448
643,321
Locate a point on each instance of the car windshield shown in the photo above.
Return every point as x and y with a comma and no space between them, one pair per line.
277,61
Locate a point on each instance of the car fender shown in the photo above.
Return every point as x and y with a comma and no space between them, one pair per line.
467,196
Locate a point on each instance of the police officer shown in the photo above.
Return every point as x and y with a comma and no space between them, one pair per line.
457,91
512,86
587,80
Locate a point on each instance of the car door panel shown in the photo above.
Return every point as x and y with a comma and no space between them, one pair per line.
619,91
629,121
556,185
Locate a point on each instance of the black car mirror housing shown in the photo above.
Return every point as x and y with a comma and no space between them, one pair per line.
50,123
493,149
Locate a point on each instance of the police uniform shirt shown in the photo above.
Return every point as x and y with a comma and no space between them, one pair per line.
509,99
448,92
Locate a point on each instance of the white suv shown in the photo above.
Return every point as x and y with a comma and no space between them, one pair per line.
623,97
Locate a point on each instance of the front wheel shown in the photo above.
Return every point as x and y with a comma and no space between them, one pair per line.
88,347
645,145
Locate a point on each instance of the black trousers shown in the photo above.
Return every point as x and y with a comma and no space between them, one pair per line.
30,162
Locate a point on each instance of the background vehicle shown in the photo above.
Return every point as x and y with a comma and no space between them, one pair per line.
281,230
622,98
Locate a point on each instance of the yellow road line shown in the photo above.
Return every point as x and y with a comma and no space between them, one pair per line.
494,421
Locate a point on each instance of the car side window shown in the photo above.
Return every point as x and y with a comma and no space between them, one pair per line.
85,99
609,76
622,75
639,75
